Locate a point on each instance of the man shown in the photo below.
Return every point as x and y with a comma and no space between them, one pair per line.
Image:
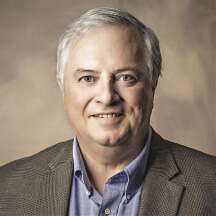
108,67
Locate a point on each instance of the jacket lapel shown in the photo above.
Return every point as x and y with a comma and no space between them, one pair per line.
160,195
48,192
58,190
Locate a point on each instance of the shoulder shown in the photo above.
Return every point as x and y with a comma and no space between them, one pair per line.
184,156
197,174
183,171
190,162
37,163
197,170
193,160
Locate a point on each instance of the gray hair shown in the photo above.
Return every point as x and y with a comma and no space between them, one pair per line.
98,17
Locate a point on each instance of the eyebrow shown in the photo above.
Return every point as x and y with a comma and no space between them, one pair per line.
83,70
129,68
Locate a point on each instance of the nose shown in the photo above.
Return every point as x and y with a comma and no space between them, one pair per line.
106,93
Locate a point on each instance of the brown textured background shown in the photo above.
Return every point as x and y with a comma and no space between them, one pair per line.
31,111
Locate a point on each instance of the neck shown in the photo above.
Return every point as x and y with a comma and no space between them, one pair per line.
102,162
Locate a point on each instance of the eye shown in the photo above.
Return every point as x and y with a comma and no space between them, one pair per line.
88,79
126,77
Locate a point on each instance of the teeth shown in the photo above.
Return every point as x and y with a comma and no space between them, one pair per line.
111,115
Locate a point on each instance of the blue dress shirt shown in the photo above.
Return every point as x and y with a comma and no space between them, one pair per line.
121,192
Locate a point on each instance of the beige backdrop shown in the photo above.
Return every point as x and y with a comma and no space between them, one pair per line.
31,111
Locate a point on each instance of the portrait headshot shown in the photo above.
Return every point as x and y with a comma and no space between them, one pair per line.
108,109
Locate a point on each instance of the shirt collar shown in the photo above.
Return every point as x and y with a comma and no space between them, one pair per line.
135,170
79,166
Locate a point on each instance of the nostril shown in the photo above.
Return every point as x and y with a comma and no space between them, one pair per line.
106,92
111,99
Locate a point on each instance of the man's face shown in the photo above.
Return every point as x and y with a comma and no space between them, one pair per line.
106,95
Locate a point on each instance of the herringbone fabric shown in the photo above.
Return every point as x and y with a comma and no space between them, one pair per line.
179,181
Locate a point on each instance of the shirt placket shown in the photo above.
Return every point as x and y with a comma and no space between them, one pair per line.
113,192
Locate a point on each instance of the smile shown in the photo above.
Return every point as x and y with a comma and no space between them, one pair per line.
107,115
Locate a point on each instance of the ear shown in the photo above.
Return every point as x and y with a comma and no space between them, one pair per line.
60,84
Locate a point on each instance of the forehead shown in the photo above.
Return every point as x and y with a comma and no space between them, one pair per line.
128,33
106,46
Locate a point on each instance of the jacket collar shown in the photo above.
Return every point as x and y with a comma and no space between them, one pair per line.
161,159
160,194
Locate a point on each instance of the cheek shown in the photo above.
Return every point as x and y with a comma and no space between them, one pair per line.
139,104
75,101
138,97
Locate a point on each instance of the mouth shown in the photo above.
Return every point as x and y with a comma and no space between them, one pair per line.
107,115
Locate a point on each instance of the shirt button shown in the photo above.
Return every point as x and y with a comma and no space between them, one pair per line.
88,193
128,196
107,211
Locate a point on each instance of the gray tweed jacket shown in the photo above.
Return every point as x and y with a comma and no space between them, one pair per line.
179,181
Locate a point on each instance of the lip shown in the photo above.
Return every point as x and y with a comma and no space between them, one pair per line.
107,115
107,120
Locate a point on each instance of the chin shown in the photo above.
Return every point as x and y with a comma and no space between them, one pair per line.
110,139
